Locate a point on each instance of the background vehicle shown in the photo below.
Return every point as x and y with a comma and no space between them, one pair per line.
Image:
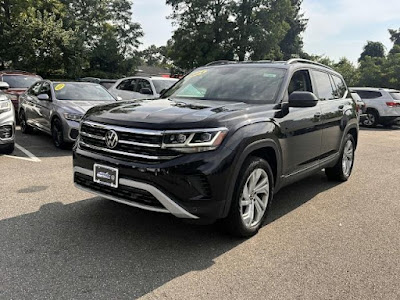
383,105
361,107
221,142
57,107
19,82
107,83
141,87
7,121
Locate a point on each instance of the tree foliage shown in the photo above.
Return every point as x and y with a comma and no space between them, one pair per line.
373,49
209,30
68,37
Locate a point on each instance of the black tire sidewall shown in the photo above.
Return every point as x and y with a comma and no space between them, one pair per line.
234,219
57,124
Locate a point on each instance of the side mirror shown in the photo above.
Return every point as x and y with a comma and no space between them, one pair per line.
302,99
4,85
43,97
146,91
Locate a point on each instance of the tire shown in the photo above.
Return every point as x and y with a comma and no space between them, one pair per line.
344,166
7,149
247,214
25,128
57,132
371,119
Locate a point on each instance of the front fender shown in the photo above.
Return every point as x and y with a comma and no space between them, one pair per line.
245,141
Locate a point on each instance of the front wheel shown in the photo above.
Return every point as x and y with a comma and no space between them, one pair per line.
252,198
343,168
58,134
25,128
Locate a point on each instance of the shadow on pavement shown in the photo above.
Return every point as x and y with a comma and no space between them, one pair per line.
381,128
39,144
99,249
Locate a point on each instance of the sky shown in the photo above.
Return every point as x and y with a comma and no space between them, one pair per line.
336,28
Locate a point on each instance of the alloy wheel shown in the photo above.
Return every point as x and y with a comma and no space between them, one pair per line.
348,157
254,199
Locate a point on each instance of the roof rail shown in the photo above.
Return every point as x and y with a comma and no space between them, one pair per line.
220,62
307,61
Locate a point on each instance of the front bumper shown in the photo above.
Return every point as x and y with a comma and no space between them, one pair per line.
192,186
71,130
7,127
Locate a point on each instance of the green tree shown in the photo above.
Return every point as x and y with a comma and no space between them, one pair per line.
373,49
371,71
292,43
395,36
349,72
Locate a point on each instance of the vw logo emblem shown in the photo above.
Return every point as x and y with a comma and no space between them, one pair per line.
111,139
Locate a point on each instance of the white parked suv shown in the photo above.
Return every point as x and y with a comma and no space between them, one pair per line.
140,87
382,106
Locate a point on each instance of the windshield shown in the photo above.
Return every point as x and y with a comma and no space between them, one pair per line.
230,83
163,84
395,95
20,81
81,91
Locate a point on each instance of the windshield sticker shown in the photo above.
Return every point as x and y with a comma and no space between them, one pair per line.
198,73
269,75
59,86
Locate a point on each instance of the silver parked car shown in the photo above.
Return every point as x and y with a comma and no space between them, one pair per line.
141,87
7,121
57,108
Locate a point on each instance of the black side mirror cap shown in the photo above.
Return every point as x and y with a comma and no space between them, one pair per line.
302,99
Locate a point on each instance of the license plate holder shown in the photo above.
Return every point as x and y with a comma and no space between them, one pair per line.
105,175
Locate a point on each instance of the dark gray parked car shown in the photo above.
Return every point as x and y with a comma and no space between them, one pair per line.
57,107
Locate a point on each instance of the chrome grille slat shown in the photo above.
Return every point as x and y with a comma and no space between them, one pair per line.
141,145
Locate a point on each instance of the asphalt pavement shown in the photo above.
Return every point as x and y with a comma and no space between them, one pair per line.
322,240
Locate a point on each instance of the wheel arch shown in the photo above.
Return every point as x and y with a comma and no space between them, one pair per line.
267,149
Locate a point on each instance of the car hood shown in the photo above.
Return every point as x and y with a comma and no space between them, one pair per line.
81,106
170,114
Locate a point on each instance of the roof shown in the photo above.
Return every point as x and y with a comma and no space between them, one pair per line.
152,70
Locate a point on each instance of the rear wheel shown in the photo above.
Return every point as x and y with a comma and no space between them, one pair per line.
371,118
25,128
252,198
343,168
57,133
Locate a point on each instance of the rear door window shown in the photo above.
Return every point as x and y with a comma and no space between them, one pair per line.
323,85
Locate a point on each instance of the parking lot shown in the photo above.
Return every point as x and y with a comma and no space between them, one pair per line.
323,240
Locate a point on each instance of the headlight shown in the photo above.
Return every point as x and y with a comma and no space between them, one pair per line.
73,117
191,141
5,106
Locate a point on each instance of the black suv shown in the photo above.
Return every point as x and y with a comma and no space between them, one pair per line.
220,142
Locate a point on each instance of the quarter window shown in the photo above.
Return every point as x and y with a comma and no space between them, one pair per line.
324,85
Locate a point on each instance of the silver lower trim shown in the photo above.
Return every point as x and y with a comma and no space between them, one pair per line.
168,203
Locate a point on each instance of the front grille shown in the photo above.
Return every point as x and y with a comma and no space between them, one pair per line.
123,192
6,132
133,144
